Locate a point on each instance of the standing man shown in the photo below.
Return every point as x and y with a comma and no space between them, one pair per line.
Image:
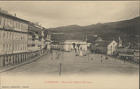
78,46
74,47
78,49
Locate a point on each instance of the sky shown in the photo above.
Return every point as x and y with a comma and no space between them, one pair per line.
61,13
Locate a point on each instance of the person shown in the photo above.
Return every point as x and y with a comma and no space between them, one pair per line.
101,59
106,58
76,51
81,51
78,46
74,47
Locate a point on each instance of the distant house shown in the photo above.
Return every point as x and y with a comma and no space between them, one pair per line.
111,48
105,47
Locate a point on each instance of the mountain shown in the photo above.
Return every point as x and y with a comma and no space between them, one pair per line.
126,29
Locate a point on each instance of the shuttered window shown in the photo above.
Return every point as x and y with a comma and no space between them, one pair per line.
0,20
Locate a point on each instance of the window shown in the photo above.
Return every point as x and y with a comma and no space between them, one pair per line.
0,34
6,47
14,24
0,20
21,26
8,22
15,47
7,35
3,34
18,25
3,47
12,35
11,23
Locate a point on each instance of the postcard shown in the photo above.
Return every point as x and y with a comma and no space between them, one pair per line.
69,44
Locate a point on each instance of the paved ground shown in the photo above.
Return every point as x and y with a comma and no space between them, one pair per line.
72,64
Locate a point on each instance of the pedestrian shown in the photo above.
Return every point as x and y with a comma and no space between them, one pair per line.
78,46
106,58
81,51
74,47
51,51
101,59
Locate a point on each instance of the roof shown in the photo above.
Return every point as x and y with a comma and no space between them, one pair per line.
33,28
13,17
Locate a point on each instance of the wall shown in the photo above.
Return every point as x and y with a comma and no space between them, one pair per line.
111,48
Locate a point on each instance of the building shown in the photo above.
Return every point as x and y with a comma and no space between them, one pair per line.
104,47
48,42
136,55
112,47
70,45
57,37
20,40
47,38
57,41
36,41
13,38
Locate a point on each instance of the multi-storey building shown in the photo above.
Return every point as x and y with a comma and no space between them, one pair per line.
20,40
36,37
47,37
48,42
13,39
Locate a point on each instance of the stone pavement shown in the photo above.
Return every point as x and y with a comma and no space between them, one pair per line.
72,64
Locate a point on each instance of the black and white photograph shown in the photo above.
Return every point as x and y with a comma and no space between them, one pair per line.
69,44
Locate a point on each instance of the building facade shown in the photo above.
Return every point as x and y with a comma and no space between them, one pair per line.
36,37
105,47
112,47
69,45
13,39
20,40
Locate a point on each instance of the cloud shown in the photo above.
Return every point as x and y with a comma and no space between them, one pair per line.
55,13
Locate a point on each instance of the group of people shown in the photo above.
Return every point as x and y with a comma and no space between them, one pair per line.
78,49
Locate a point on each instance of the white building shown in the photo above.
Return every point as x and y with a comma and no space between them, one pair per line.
68,45
111,47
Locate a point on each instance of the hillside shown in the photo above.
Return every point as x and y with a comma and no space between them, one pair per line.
127,30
